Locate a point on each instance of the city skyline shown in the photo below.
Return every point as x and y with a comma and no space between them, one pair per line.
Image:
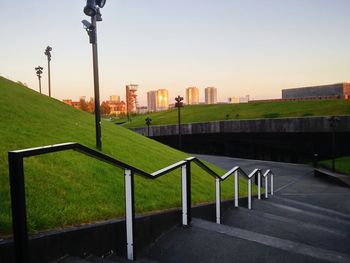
239,47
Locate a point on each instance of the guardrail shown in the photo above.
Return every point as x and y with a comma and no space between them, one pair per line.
18,203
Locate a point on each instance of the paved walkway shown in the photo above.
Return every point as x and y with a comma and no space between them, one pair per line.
295,181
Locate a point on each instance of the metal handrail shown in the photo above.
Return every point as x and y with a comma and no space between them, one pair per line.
18,204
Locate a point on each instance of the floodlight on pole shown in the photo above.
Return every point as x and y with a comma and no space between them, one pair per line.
92,9
178,105
148,123
39,71
333,122
48,54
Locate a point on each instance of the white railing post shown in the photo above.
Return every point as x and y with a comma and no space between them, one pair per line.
271,179
129,212
218,201
266,187
236,188
259,185
249,193
184,196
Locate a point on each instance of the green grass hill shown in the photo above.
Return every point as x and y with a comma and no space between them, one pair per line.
257,110
68,188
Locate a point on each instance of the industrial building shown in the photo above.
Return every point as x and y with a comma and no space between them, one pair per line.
332,91
131,98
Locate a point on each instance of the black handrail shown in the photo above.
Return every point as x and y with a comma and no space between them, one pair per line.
226,175
18,204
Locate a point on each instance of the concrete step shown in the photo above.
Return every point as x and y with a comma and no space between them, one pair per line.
292,248
288,228
310,207
302,214
208,242
95,259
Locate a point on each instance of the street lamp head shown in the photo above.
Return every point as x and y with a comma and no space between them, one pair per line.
179,102
101,3
98,15
90,8
87,25
148,120
48,52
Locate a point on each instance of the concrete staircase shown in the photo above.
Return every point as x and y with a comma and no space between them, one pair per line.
278,229
307,220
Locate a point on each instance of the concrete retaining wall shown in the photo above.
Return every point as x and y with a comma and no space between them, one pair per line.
278,125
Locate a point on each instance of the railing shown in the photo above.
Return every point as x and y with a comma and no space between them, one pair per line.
18,204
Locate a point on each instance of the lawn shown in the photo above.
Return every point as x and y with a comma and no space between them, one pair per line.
342,165
68,188
204,113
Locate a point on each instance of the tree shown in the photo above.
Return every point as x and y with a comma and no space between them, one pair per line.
105,109
83,105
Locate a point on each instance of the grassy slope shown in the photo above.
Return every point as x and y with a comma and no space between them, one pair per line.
342,165
68,188
203,113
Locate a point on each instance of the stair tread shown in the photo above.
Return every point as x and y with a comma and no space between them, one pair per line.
313,217
282,244
196,244
289,229
310,207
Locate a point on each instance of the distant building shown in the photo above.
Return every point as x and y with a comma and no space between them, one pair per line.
244,99
142,109
114,98
192,95
162,99
117,108
131,98
210,95
233,100
152,100
157,100
339,90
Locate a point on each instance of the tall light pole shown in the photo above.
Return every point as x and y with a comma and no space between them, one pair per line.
48,54
148,123
39,71
333,122
92,9
178,105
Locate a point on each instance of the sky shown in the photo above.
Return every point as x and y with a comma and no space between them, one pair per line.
255,47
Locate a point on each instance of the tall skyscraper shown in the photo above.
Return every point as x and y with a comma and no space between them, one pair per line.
192,95
210,95
162,99
131,96
152,100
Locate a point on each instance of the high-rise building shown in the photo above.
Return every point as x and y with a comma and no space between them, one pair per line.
162,99
192,95
114,98
131,98
152,100
210,95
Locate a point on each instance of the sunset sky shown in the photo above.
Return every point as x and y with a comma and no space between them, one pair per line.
255,47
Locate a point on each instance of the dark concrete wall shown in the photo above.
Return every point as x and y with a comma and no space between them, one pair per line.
278,125
316,91
287,140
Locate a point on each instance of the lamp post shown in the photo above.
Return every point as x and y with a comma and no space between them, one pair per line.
148,123
92,9
48,54
178,105
333,122
39,71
